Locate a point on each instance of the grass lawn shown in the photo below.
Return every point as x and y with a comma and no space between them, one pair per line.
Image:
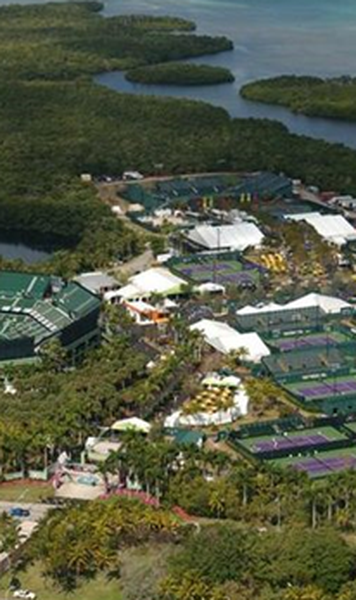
25,491
100,589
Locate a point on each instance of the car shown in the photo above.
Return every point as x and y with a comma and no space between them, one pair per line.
25,594
18,511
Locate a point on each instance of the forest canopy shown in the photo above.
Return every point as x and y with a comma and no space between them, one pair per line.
180,74
332,98
56,123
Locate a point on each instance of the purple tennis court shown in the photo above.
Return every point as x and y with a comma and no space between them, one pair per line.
327,387
320,466
285,443
306,342
223,271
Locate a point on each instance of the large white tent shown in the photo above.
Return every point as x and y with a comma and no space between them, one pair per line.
328,304
333,228
225,339
238,236
153,281
207,419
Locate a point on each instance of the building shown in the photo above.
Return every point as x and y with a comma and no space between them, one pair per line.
225,339
334,229
145,314
238,236
98,282
155,281
37,308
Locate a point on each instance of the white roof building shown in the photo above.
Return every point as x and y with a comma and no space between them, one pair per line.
238,236
225,339
333,228
153,281
97,282
328,304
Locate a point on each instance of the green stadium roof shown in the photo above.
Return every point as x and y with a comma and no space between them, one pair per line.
30,308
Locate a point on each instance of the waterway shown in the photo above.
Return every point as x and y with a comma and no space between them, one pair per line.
21,251
271,37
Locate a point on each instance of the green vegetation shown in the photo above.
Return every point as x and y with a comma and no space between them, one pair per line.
25,492
62,42
235,563
180,74
55,124
33,580
66,406
221,561
78,543
332,98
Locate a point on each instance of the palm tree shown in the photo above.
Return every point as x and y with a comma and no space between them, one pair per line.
315,497
236,357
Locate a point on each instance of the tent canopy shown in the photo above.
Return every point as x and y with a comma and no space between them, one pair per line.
131,424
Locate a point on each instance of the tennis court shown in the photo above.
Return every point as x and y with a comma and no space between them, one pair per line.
292,440
322,464
351,426
323,388
219,270
288,344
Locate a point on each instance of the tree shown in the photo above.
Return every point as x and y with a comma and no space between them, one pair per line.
9,533
302,557
217,554
189,587
53,355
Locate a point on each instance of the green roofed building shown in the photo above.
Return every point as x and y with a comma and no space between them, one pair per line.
37,308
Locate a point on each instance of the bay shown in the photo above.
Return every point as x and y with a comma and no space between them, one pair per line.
271,37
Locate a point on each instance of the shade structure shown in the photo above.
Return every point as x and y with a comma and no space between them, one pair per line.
333,228
225,339
133,424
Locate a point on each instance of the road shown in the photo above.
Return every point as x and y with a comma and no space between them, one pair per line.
137,265
37,510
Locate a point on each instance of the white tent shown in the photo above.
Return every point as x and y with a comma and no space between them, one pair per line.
265,308
131,424
211,288
225,339
333,228
328,304
205,419
238,236
153,281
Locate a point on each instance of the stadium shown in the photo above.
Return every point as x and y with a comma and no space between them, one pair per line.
37,308
208,191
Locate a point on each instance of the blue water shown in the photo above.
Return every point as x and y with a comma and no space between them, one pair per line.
20,251
271,37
